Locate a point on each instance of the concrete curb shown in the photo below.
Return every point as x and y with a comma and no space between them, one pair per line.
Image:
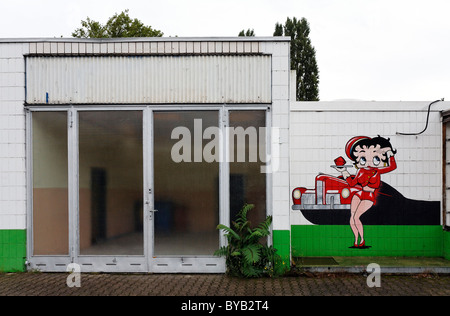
390,270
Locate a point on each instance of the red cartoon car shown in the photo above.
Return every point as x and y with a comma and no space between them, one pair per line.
329,204
330,193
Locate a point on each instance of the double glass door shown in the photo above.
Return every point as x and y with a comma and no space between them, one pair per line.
137,190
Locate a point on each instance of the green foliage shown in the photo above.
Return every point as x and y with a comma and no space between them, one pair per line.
250,32
245,255
278,30
303,58
90,29
119,25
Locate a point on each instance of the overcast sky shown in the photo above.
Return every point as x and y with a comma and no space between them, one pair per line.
384,50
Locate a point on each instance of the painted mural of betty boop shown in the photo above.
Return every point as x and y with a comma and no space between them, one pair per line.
372,157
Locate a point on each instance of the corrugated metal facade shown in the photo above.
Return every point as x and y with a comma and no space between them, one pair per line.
148,79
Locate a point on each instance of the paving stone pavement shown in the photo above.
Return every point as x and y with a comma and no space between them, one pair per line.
319,284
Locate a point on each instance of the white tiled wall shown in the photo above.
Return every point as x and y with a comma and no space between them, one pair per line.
311,135
12,116
280,120
318,137
12,136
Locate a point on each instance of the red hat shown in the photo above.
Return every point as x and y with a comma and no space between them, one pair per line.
351,144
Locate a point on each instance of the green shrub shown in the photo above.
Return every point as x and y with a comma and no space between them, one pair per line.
245,255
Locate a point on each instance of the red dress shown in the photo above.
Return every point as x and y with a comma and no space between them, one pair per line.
370,177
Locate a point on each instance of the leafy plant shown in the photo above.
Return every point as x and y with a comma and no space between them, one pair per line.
119,25
245,255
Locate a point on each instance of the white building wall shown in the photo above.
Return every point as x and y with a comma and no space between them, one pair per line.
280,141
12,136
12,115
320,131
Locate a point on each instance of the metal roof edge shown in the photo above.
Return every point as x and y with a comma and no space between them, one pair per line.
148,39
367,106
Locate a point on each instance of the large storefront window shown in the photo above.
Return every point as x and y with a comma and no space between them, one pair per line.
142,190
50,184
247,156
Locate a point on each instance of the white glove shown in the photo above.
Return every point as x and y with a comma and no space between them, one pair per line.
343,171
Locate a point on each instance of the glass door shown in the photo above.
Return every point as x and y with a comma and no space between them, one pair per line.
110,190
186,190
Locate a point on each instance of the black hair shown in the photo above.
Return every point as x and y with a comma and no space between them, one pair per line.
379,140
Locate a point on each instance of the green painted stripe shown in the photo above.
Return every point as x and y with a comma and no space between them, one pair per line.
306,240
335,240
282,242
447,245
13,250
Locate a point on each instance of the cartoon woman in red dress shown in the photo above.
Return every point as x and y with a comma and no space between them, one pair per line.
372,157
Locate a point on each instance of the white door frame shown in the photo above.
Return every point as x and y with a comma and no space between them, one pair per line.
146,262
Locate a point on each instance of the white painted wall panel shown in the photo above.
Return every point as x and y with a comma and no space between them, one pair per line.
316,140
279,179
12,136
319,134
150,79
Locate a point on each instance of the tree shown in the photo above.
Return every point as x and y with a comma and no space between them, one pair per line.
303,58
119,25
250,32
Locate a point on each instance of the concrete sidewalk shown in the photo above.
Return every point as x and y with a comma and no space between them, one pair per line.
329,276
190,285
